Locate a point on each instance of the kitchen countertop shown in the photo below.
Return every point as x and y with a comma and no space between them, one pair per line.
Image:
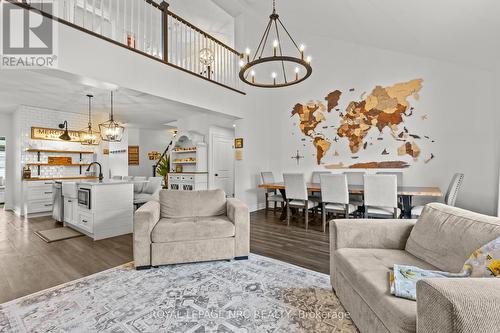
58,178
106,182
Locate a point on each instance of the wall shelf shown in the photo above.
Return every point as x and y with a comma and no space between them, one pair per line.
59,151
57,164
58,178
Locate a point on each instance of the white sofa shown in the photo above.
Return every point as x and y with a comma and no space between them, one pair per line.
190,226
364,251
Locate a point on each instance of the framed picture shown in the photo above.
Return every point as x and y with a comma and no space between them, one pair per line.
178,168
238,143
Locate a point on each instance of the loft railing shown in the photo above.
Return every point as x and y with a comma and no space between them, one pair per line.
151,29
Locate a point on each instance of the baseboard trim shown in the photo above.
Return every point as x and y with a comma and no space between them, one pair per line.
241,258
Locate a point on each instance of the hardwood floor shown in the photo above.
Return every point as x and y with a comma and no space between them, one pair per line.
28,264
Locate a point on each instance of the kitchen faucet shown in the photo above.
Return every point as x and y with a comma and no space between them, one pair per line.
101,177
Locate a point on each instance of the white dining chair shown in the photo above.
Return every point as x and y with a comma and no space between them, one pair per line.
316,176
296,195
335,197
316,179
381,196
271,195
355,178
451,194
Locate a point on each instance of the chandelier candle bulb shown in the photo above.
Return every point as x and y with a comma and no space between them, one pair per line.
308,59
273,75
297,70
275,46
247,52
302,49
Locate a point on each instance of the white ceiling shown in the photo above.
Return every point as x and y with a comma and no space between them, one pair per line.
460,31
137,109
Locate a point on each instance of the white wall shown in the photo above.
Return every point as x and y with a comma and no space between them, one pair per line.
118,156
202,14
148,140
456,98
6,131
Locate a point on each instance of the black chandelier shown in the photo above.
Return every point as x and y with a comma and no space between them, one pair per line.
284,63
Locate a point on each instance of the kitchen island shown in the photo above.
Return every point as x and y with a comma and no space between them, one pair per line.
101,209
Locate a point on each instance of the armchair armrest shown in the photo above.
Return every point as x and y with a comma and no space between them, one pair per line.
367,233
238,213
145,219
458,305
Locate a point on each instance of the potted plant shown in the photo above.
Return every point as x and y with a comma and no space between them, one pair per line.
163,169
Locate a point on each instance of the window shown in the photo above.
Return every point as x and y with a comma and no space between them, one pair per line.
2,157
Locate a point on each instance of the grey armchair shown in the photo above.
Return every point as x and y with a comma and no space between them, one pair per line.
190,226
364,251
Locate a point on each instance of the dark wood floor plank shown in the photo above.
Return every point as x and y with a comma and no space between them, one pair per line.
28,264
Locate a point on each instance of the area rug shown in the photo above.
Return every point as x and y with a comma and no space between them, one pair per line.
254,295
57,234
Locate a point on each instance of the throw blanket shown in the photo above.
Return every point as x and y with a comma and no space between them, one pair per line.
484,262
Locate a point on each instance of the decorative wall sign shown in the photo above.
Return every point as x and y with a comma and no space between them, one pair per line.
154,155
133,155
53,134
238,155
105,151
238,143
178,168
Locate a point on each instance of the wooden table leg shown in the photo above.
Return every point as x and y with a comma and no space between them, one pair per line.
284,210
406,206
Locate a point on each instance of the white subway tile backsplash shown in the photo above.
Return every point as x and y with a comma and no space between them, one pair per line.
32,116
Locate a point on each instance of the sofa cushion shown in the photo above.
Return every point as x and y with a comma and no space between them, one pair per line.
153,185
142,198
192,228
446,236
367,270
176,204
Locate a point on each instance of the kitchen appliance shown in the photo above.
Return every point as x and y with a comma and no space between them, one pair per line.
70,195
84,197
57,202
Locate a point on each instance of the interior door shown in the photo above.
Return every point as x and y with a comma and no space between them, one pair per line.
223,164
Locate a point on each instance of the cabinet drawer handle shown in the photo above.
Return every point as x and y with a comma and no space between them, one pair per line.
85,221
48,192
70,200
49,183
48,205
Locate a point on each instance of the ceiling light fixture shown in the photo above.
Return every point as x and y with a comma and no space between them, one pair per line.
90,136
111,131
276,58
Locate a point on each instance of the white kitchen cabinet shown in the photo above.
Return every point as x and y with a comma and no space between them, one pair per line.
111,210
70,210
37,197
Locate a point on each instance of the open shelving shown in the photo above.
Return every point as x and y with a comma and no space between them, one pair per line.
40,164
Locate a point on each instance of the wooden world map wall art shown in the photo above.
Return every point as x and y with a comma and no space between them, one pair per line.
362,123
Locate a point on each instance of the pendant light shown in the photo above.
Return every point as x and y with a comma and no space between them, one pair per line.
111,131
89,135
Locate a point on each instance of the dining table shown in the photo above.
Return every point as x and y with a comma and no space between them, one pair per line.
406,193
